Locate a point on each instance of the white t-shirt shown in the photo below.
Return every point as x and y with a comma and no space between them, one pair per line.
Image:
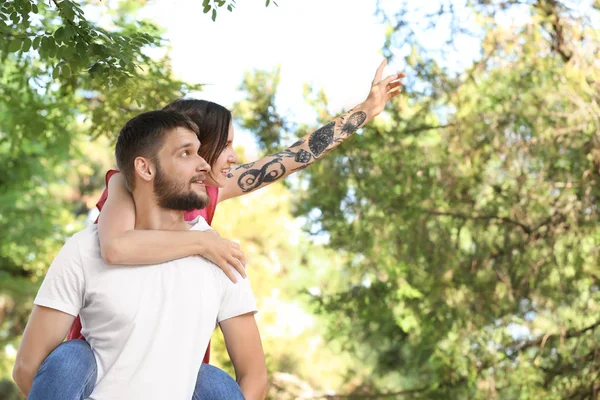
148,326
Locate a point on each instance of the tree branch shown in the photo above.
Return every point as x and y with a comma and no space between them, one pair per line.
570,334
372,395
524,227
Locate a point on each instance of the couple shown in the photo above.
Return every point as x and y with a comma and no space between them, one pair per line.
147,328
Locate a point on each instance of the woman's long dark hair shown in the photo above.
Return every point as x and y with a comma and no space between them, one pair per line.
213,122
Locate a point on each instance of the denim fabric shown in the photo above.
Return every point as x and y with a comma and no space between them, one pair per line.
69,373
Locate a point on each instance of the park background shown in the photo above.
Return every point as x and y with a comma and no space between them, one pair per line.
448,250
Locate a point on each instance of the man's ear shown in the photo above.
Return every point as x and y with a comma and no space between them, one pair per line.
144,168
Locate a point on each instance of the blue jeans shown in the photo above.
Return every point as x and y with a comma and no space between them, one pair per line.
69,373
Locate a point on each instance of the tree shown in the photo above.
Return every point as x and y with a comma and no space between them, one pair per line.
66,82
470,214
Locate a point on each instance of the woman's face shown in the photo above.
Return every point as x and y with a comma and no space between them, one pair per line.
219,170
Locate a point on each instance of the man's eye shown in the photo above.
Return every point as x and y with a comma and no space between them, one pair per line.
185,153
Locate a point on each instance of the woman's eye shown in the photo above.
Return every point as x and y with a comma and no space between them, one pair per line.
185,153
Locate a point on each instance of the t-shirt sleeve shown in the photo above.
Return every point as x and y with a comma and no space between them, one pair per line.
63,286
237,299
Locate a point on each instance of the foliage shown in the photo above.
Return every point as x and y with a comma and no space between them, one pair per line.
283,265
470,214
212,6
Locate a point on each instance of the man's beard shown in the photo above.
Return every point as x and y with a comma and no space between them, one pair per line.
175,195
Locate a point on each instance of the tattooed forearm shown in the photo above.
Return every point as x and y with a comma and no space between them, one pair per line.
253,178
299,155
354,121
321,139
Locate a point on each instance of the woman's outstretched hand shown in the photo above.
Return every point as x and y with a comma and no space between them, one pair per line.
383,90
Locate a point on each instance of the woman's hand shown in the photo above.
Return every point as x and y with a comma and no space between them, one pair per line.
224,253
382,90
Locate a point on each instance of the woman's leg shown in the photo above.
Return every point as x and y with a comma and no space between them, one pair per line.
68,373
215,384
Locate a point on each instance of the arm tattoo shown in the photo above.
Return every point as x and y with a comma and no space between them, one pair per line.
355,120
321,139
253,178
243,166
318,143
298,143
301,156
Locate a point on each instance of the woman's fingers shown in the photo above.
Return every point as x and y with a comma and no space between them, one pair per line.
393,85
379,72
239,254
239,267
227,269
390,79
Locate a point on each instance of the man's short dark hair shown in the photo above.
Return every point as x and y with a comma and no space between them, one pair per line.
143,136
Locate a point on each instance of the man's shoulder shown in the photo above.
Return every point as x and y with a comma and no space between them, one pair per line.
85,238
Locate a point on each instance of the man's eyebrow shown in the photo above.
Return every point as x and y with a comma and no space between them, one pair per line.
184,146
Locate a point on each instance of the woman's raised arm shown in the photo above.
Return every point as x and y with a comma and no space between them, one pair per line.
255,175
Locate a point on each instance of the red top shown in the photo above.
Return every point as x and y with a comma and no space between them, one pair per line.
207,213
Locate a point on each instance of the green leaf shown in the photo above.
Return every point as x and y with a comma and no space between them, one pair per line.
67,11
214,15
69,31
51,47
56,72
26,44
36,42
14,17
14,45
66,70
59,34
206,4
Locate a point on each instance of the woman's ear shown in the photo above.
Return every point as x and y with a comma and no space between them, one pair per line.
144,168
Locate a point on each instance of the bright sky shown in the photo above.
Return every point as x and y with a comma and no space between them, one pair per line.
330,44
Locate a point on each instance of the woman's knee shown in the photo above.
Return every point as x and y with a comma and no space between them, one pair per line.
71,358
68,373
214,383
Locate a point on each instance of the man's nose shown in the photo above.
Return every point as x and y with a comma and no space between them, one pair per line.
202,165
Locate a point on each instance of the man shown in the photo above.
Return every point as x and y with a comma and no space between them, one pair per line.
130,315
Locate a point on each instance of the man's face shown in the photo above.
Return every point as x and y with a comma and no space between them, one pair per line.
180,172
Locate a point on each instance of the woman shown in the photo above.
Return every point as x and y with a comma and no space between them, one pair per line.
122,244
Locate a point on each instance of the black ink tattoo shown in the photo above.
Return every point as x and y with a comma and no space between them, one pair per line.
354,122
321,139
253,178
298,143
301,156
246,166
230,174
